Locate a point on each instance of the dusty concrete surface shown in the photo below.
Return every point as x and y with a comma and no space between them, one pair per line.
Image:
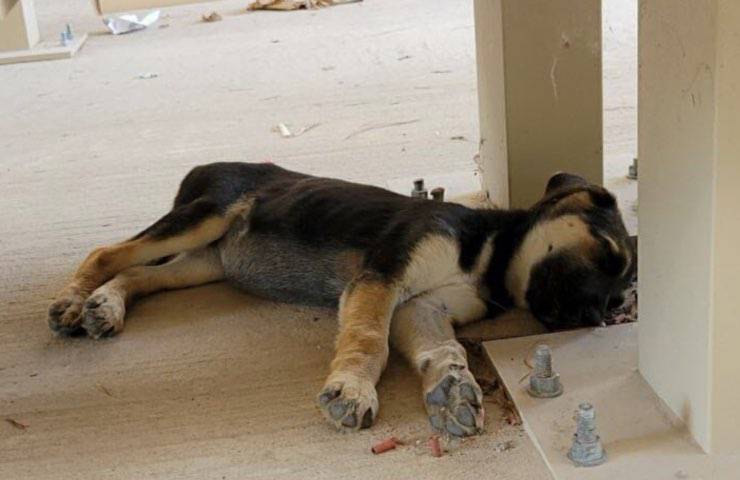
619,70
209,383
643,439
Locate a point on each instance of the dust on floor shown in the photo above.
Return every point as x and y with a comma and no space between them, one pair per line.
209,383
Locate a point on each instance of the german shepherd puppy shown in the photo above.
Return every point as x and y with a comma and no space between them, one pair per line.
401,270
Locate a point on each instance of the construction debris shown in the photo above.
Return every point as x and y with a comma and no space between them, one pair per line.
627,312
286,132
286,5
130,23
16,424
103,389
378,126
434,446
211,17
385,445
504,446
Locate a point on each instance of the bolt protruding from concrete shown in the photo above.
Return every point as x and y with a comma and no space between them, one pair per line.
632,170
543,382
419,191
543,361
587,450
68,32
438,194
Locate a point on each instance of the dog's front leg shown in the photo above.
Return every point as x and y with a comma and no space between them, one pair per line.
422,331
349,400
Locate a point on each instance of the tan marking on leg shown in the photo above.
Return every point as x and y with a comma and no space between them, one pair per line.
349,263
187,270
105,309
364,318
349,400
105,262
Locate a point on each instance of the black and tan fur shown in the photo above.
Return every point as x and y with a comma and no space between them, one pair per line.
402,271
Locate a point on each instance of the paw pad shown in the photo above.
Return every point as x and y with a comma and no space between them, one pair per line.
455,404
347,401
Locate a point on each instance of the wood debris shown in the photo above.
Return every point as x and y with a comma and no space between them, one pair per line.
627,312
380,126
286,5
211,17
510,414
103,389
16,424
286,132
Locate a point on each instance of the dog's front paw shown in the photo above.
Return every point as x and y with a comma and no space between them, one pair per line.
349,402
104,313
64,314
455,402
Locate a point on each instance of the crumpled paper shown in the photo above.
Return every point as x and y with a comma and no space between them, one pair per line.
294,4
130,23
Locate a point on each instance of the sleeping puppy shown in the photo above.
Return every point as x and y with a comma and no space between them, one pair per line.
402,271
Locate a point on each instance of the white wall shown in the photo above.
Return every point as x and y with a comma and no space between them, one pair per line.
689,151
725,329
540,63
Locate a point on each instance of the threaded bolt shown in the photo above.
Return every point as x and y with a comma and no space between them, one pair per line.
587,450
438,194
544,383
543,361
632,170
419,191
68,32
586,424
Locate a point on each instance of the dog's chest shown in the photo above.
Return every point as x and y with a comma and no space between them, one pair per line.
434,270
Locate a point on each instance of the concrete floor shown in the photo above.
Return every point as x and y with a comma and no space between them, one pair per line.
208,382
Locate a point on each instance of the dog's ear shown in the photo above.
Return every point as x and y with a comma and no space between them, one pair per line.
563,180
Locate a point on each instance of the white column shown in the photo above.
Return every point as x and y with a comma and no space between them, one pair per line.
540,96
689,213
18,27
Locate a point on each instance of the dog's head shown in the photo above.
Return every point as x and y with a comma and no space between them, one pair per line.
575,260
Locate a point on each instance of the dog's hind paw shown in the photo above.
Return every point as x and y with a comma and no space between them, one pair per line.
64,314
104,313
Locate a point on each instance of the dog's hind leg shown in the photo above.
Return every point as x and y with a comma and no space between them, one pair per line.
422,331
105,309
187,227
